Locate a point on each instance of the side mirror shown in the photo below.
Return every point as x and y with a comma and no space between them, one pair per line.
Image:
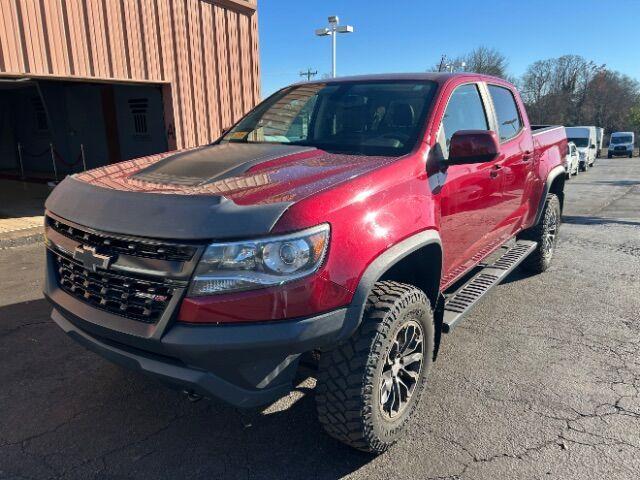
473,146
592,146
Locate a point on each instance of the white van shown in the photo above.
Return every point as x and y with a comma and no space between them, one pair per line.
621,144
585,140
599,141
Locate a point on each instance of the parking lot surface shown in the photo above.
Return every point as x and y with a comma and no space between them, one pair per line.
542,380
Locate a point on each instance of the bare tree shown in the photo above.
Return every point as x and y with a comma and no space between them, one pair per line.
488,61
611,100
568,90
484,60
571,90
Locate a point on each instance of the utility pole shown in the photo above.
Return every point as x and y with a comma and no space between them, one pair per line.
309,74
443,63
450,67
332,30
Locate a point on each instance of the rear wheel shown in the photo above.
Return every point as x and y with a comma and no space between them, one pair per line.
369,387
545,233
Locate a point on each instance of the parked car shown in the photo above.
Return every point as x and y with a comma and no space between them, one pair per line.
338,217
572,160
621,144
585,140
599,141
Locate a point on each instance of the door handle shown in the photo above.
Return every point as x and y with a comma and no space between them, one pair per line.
494,171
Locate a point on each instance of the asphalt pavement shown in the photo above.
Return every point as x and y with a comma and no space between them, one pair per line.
541,381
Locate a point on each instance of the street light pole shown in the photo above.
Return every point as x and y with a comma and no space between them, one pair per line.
334,38
332,30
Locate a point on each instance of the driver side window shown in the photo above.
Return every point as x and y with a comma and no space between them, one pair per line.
465,111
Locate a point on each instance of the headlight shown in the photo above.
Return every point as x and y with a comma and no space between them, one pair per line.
233,266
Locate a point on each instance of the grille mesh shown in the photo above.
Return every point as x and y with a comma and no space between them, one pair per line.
133,298
115,245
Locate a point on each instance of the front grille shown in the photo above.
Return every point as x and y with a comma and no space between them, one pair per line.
133,298
113,245
620,148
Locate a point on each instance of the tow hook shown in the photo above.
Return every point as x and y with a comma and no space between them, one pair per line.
191,396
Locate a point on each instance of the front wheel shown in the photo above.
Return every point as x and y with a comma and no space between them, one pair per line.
369,387
545,233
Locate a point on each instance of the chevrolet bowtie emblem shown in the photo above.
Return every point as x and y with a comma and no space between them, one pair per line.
90,259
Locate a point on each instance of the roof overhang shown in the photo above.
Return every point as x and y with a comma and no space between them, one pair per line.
247,7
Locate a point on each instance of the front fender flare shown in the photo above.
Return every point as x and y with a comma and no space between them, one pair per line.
376,269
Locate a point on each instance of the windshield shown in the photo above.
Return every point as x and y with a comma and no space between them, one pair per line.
371,118
580,142
622,139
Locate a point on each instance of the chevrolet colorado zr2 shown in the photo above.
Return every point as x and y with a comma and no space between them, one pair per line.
354,220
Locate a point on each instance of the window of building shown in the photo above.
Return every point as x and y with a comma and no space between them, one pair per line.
509,122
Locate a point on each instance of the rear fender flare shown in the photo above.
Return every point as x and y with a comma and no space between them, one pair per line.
553,174
376,269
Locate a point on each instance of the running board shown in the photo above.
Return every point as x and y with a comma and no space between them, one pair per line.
466,297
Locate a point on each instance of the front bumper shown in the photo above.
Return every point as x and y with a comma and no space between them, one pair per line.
243,365
616,153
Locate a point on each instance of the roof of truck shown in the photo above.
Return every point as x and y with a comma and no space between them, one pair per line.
432,76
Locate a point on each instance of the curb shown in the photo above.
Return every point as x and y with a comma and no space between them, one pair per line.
21,238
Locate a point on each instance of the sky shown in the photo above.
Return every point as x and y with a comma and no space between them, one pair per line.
411,35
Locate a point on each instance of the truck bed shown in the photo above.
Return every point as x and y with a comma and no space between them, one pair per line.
536,129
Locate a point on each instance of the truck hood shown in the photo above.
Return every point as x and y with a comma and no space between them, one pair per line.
230,190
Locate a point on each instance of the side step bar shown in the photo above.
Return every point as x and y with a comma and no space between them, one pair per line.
458,304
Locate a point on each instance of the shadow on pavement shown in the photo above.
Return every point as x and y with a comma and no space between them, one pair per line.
72,414
518,274
588,220
618,183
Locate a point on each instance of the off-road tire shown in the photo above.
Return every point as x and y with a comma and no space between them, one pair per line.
540,259
349,378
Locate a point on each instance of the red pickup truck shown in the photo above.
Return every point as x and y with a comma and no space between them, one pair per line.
352,220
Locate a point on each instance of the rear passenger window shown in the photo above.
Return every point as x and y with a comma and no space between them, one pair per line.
509,122
465,111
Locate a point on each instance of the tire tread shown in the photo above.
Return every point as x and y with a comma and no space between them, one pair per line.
346,375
